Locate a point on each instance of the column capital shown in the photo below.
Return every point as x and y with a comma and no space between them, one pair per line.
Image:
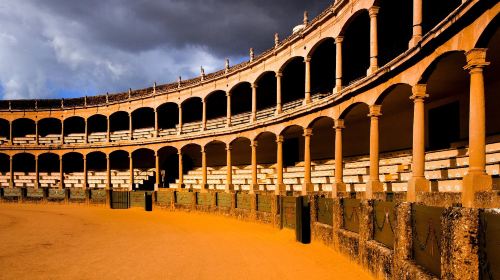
308,132
228,93
279,75
375,111
339,39
307,59
339,124
373,11
476,58
419,92
254,143
229,148
179,105
280,139
254,86
179,153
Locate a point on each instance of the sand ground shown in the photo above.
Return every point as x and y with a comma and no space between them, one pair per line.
79,242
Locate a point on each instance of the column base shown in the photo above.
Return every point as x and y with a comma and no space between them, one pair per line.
415,185
280,189
229,188
278,111
307,188
373,187
414,41
472,183
338,187
307,100
254,187
372,69
337,89
254,117
157,186
204,188
181,186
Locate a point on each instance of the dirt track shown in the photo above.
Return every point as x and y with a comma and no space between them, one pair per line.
71,242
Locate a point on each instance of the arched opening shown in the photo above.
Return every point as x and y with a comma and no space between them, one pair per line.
24,167
323,68
4,131
120,169
169,166
356,135
119,125
143,123
216,154
74,130
433,12
216,110
241,103
191,161
49,131
4,170
395,21
73,170
266,159
192,111
266,95
356,48
447,108
293,145
322,139
241,160
23,131
168,118
293,83
97,127
96,169
144,169
49,168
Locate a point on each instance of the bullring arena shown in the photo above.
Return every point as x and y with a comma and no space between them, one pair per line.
372,132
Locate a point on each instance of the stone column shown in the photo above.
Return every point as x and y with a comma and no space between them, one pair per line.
417,23
476,180
85,173
229,174
255,184
108,173
62,132
61,173
418,182
180,120
181,174
279,107
11,170
373,12
280,187
204,115
130,126
156,123
338,64
108,132
37,173
339,185
11,134
36,133
228,111
204,185
158,171
307,186
374,185
307,98
131,164
86,140
254,102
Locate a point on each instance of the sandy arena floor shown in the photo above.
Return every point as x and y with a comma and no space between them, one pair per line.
73,242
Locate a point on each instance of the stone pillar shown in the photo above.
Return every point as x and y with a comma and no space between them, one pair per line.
11,134
86,132
280,187
85,173
307,98
37,173
339,185
156,123
229,174
204,185
204,115
476,180
61,173
228,111
108,132
62,132
11,174
131,164
36,133
255,184
338,64
374,185
417,23
254,102
181,174
158,171
279,107
307,186
108,173
373,12
130,126
418,182
180,120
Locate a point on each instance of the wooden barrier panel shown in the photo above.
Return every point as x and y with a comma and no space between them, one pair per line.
12,192
77,194
120,200
288,212
489,245
184,198
204,199
243,201
164,198
35,193
224,200
351,214
264,203
98,196
57,194
325,210
384,217
137,199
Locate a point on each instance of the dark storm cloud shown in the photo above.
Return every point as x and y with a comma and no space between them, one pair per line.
98,45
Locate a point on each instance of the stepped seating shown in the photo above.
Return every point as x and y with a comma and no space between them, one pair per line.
292,105
240,119
190,127
3,140
51,139
74,138
265,113
216,123
318,96
119,135
29,139
97,137
144,133
167,132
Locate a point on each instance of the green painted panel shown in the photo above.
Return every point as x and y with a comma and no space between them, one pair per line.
137,199
12,192
384,220
34,193
98,195
184,198
77,193
204,199
164,198
264,203
224,200
243,201
57,193
289,211
325,210
351,214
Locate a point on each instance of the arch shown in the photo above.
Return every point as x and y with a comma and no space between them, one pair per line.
241,98
4,167
22,127
216,153
356,135
356,47
293,80
216,103
488,33
72,162
119,160
97,123
293,144
168,115
192,110
96,161
433,12
191,157
491,41
266,90
73,125
4,129
323,60
389,91
169,165
143,117
49,126
266,148
23,162
349,108
48,163
119,121
424,77
241,151
323,138
144,163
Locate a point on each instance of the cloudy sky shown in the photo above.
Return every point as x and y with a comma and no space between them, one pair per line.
62,48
